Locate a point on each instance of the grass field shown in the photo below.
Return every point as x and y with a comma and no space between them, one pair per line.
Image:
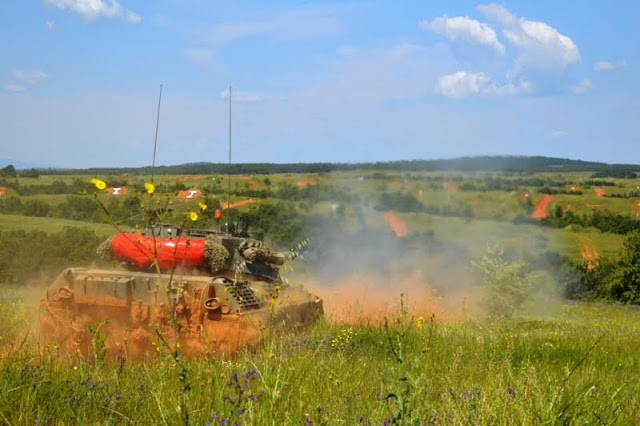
573,365
48,224
552,363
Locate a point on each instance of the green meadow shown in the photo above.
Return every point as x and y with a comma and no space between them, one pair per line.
547,362
573,365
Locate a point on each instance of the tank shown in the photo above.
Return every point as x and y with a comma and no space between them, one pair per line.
224,291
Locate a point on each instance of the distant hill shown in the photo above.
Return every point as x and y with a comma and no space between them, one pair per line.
481,163
21,165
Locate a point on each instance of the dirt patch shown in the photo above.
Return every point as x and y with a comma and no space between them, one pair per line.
239,203
188,177
540,211
306,182
119,190
3,190
398,227
253,184
451,187
189,194
599,192
594,206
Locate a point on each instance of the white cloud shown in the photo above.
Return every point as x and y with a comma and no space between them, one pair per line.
582,86
13,88
498,13
91,10
405,49
50,25
462,84
463,28
29,77
241,96
290,24
199,55
539,45
346,51
601,66
559,134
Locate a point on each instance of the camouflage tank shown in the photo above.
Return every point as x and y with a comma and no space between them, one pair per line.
223,289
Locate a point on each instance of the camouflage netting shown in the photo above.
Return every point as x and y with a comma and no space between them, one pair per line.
215,254
104,250
256,251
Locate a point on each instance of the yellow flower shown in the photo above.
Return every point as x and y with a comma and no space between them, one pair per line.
193,216
100,184
420,322
149,187
202,205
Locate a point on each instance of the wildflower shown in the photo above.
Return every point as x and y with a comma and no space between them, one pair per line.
100,184
149,187
420,322
193,216
75,368
202,205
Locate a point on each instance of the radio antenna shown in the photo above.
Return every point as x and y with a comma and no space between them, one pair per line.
229,166
155,141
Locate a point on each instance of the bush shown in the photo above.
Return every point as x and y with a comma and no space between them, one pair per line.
24,255
507,282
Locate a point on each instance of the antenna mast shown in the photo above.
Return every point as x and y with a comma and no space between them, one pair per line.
155,141
229,169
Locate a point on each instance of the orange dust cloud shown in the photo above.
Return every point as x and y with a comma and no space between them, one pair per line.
368,299
398,227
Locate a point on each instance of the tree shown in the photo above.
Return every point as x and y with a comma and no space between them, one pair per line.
31,173
8,171
507,282
625,284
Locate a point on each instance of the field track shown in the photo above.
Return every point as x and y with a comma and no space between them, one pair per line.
540,212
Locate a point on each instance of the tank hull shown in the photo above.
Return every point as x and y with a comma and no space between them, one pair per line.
140,313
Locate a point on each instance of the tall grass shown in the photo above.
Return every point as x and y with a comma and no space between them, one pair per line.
580,366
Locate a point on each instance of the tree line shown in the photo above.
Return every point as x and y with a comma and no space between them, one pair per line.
477,163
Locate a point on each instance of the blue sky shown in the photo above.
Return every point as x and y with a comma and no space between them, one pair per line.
317,81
